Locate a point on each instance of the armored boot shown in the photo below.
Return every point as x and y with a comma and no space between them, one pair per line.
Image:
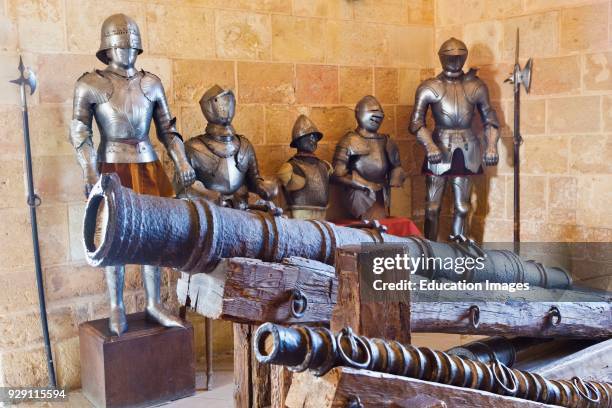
462,189
117,322
435,190
151,278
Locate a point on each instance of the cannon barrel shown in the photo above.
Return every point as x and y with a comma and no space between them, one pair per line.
303,348
192,235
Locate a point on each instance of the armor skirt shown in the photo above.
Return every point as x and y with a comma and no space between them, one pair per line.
144,178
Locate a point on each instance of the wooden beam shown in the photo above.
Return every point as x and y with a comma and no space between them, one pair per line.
251,378
341,384
251,291
280,381
387,318
579,319
592,363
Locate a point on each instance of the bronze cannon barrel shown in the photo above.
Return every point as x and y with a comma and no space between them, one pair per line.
122,227
303,348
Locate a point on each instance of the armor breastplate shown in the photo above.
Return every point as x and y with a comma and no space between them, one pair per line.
124,119
454,110
215,164
374,166
316,191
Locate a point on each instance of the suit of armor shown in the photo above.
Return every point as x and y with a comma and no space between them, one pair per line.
123,101
367,163
224,162
305,177
453,150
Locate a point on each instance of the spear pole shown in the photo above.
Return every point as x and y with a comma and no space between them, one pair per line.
28,78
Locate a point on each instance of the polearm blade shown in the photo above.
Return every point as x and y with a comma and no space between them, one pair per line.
519,76
28,78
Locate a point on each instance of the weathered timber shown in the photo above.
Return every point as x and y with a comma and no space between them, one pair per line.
243,397
251,291
592,363
522,314
342,384
280,381
579,320
251,378
385,318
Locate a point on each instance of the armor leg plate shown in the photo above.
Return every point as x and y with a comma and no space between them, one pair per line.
435,190
151,278
462,189
117,321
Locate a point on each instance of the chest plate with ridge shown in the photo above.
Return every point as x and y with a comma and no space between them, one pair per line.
216,166
454,110
373,167
124,120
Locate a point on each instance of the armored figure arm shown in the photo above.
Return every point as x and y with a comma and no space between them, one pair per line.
425,95
397,175
490,123
341,173
81,134
289,179
264,188
166,129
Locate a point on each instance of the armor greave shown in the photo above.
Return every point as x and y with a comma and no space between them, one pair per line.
462,188
115,278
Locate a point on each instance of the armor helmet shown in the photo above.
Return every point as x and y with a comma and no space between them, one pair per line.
218,105
369,113
303,126
453,54
118,31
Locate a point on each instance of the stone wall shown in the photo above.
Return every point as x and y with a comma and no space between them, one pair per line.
281,57
566,182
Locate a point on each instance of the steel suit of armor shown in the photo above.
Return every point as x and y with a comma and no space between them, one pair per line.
367,163
225,162
305,177
123,102
453,150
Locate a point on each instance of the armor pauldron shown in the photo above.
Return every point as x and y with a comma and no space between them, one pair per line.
393,152
245,154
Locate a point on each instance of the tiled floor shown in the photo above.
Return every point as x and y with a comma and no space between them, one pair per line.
221,394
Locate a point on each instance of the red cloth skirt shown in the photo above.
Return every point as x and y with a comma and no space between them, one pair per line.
144,178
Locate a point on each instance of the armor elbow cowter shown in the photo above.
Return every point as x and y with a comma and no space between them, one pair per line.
80,133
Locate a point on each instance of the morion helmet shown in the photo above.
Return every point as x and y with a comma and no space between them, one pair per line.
303,126
118,31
